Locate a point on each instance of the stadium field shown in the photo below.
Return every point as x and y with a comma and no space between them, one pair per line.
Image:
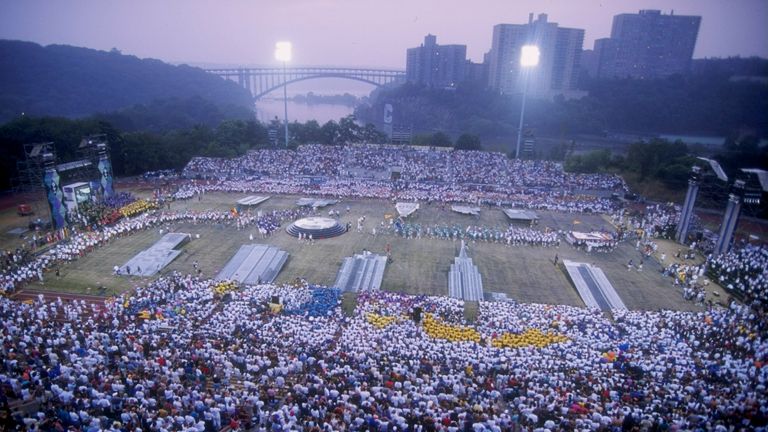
420,266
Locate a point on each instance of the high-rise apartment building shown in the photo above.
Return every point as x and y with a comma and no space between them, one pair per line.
647,44
558,68
436,65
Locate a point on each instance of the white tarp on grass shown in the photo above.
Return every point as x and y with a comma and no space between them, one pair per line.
474,211
314,202
252,200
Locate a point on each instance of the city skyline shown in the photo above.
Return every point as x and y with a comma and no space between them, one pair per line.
345,32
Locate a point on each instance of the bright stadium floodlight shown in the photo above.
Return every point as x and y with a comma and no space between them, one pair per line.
529,58
283,54
529,55
283,51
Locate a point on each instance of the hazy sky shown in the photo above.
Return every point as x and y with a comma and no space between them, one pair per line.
346,32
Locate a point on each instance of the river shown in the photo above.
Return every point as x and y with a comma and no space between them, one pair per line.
271,105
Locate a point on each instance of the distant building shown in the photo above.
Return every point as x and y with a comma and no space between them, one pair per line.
558,68
589,63
436,65
647,45
476,72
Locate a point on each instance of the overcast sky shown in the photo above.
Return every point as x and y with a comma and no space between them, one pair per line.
346,32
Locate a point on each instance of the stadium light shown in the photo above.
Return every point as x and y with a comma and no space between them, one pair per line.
283,51
529,57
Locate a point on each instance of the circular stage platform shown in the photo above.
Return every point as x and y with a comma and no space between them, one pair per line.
319,227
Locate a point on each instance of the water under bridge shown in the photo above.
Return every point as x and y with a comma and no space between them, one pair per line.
260,81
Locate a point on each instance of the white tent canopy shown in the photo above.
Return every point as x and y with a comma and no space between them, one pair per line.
406,209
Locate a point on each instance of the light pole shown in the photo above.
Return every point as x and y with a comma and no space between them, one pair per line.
529,57
283,54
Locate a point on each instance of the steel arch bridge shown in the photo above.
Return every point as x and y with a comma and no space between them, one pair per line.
260,81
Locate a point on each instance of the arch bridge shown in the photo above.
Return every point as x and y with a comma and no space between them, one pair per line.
260,81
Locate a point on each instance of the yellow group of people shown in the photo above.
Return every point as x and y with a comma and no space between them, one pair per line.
454,333
137,207
147,315
530,337
381,321
225,287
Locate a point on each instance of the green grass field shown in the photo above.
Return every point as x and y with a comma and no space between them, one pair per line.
420,266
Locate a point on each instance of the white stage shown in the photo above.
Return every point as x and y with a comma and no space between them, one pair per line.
521,215
316,223
593,287
254,264
594,238
362,272
464,280
152,260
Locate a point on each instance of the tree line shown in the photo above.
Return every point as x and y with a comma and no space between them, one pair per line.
135,151
660,169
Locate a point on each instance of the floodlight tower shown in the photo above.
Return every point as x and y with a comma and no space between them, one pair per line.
731,218
690,200
283,54
529,58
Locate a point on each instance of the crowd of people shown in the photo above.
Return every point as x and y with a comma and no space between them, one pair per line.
398,191
655,221
417,164
511,236
186,353
690,278
200,361
424,174
21,266
106,211
744,272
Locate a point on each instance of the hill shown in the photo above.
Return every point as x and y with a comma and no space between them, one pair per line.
68,81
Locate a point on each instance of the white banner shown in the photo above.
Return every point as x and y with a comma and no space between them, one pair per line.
388,113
